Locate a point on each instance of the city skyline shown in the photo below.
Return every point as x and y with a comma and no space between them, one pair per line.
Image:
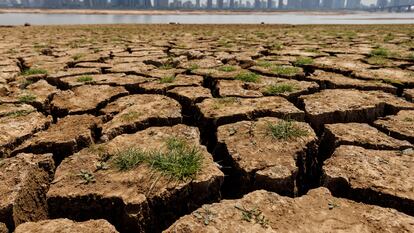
208,4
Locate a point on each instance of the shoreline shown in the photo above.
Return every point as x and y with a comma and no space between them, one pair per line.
167,12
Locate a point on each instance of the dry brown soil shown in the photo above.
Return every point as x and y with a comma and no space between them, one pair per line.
294,128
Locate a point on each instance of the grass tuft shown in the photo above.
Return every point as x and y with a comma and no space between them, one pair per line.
33,71
389,37
194,67
285,130
85,79
27,98
248,77
279,88
166,66
381,52
129,158
77,56
167,79
227,68
19,113
265,64
302,61
285,70
178,160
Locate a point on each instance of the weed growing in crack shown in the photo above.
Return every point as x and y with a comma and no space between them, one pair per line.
285,130
178,160
279,89
253,215
389,37
302,61
33,71
167,79
19,113
227,68
166,66
381,52
27,98
193,67
248,77
285,70
411,57
85,79
265,64
77,56
87,177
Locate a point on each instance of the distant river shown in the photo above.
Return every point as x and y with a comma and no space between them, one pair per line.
268,18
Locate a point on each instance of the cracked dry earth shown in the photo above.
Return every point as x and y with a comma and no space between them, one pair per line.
184,128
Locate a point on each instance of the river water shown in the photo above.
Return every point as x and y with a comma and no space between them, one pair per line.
268,18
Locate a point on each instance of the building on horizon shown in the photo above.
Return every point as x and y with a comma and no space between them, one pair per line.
338,4
382,3
161,4
353,4
220,4
327,4
294,4
209,4
310,4
281,4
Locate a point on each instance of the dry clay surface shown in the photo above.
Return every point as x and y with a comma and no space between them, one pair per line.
202,128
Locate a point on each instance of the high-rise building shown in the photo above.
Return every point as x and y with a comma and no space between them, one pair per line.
53,3
220,4
161,4
257,4
94,3
294,4
147,4
310,4
338,4
399,2
209,4
231,4
353,4
327,4
197,4
281,5
382,3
